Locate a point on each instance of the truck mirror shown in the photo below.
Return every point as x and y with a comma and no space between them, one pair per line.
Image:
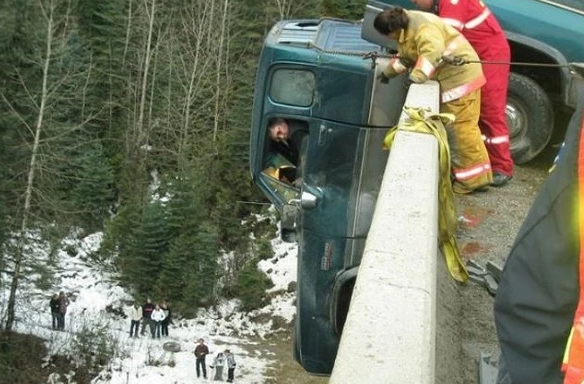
307,200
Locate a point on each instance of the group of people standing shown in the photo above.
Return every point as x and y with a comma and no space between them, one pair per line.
59,303
221,360
447,44
155,316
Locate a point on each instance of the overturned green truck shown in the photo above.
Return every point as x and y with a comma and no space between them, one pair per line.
312,73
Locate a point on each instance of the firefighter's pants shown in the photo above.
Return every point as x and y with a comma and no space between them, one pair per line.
470,163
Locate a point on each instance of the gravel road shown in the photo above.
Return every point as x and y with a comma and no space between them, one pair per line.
490,222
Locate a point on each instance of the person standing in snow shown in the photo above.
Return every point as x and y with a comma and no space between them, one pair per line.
147,309
63,304
135,317
167,320
230,359
218,363
54,303
156,319
201,351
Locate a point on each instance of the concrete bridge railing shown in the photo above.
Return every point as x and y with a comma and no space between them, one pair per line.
399,329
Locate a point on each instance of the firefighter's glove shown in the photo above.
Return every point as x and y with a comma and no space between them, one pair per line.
383,78
418,77
453,60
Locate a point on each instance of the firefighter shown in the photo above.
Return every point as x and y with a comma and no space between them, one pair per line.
539,306
423,39
482,30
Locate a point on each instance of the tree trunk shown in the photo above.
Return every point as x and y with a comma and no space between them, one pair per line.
143,91
21,242
218,90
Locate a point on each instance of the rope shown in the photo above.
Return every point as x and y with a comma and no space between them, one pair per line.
458,61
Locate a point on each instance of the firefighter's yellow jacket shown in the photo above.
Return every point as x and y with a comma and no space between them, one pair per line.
422,46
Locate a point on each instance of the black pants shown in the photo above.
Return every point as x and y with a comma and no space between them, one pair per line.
55,316
230,372
164,328
61,321
155,328
134,326
201,363
145,322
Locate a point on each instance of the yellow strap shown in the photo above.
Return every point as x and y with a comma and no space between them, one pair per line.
421,121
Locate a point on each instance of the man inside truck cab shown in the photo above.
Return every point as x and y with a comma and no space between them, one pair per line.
288,139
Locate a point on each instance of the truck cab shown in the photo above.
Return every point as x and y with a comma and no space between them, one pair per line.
320,78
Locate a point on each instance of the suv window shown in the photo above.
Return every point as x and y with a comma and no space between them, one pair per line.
292,87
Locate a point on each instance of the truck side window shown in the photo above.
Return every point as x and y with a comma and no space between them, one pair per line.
284,156
293,87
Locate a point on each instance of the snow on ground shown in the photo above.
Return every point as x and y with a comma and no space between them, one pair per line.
92,289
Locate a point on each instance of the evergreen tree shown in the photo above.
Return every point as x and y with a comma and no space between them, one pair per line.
93,194
344,9
174,275
252,285
202,279
144,260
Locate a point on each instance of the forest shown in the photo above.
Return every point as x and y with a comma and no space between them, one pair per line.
132,117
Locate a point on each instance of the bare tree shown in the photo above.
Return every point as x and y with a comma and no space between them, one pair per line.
219,89
144,87
48,13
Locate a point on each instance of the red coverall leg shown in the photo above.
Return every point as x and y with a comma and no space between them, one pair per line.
493,122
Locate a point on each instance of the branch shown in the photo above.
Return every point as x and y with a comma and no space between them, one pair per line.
18,115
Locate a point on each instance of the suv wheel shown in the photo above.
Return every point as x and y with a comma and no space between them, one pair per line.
529,117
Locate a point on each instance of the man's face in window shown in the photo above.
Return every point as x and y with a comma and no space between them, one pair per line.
279,131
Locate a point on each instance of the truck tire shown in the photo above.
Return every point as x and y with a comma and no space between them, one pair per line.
529,116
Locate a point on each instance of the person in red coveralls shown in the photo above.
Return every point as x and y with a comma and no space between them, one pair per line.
480,27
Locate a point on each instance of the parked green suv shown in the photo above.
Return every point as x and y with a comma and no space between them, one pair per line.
549,32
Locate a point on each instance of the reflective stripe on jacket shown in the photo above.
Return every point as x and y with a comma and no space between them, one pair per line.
424,42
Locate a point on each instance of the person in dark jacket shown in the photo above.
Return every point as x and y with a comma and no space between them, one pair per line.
287,138
63,304
539,289
288,148
201,351
54,303
147,309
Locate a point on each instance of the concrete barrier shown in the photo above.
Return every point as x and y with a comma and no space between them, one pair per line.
390,334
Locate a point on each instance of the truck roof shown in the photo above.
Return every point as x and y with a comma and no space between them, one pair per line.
331,35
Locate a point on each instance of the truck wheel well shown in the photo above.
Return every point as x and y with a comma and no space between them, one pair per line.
344,301
549,78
